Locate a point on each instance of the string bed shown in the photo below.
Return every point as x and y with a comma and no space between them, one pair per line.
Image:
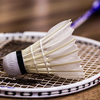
88,52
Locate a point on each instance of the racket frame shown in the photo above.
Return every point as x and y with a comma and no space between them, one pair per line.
48,92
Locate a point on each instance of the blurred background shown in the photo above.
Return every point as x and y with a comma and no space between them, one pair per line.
41,15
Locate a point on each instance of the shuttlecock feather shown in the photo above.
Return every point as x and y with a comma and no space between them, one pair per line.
56,53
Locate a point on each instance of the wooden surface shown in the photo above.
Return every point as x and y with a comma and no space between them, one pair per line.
41,15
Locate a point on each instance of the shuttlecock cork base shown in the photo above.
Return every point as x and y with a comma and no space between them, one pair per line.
13,64
56,53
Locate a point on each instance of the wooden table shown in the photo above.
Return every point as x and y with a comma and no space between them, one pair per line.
41,15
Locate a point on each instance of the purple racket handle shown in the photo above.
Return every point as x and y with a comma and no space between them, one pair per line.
95,7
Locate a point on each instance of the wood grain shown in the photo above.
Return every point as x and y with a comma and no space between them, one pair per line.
41,15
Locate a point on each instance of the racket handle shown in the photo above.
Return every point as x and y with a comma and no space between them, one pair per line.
84,17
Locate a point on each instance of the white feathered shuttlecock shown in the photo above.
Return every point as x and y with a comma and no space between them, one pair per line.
56,53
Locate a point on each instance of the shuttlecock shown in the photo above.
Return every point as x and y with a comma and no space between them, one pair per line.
56,53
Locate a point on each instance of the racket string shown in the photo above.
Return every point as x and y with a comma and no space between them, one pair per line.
87,54
42,80
48,81
55,82
94,70
90,61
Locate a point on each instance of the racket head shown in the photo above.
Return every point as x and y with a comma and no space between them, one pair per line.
42,85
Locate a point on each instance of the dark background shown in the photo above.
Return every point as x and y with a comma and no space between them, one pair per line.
41,15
